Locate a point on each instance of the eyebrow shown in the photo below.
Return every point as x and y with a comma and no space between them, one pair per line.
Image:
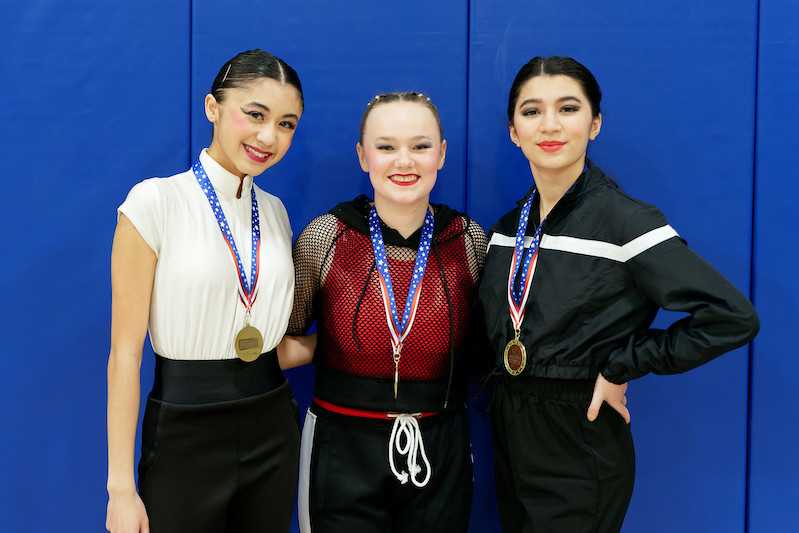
265,108
416,138
561,99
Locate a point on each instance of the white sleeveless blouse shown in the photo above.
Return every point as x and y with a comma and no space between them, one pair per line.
195,311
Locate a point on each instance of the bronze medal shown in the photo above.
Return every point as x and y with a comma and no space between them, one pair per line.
515,357
249,344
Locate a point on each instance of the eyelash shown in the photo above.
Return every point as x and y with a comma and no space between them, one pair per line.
566,109
257,115
388,147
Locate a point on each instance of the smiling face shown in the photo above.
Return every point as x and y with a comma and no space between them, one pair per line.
253,125
402,151
552,124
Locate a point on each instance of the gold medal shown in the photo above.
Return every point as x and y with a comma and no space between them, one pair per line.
249,344
515,356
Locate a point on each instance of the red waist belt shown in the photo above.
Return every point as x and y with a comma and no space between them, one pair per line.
362,413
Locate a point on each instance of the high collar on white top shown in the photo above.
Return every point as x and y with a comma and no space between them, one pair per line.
225,184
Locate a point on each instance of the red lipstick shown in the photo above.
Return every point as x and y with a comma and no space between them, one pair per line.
404,180
256,155
551,146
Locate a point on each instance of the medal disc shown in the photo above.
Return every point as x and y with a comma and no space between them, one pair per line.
249,344
515,357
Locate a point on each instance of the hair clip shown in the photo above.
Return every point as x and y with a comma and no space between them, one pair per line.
226,72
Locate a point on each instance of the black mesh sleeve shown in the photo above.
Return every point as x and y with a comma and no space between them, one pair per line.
313,253
479,361
476,243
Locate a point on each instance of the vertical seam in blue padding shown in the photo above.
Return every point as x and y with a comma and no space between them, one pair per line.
468,83
752,285
191,53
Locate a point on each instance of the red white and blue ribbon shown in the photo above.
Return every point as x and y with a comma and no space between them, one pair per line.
519,290
246,286
400,327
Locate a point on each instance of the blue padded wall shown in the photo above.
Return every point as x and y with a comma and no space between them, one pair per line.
671,139
95,100
774,481
100,95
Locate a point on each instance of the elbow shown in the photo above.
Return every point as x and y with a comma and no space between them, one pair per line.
746,324
751,324
124,355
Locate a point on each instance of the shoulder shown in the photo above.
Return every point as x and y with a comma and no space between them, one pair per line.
322,228
152,191
626,216
471,228
321,224
507,223
146,192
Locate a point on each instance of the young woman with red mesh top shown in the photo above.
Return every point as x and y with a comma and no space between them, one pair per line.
391,284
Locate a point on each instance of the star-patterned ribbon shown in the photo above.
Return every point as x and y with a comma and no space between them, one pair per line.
246,286
399,328
518,291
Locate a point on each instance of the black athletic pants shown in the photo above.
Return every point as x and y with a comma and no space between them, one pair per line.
347,486
556,472
219,466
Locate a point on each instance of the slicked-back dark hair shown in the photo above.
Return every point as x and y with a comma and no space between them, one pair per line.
388,98
556,66
251,65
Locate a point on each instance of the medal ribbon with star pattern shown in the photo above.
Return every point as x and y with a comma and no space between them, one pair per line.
247,287
519,291
399,328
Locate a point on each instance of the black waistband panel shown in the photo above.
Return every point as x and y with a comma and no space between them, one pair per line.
196,382
559,389
378,394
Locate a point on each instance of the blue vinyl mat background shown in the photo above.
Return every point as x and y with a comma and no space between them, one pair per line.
700,112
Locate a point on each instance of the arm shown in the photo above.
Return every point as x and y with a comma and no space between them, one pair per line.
132,273
312,249
296,350
480,357
719,317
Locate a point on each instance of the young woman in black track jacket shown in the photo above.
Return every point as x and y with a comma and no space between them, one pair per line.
596,271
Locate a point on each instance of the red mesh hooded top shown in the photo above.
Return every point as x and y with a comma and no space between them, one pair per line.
337,285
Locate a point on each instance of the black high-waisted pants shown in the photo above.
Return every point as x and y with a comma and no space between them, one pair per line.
556,472
347,486
220,447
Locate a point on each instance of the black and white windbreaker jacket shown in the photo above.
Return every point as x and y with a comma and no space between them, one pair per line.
606,263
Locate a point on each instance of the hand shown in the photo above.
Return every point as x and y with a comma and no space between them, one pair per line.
126,514
614,395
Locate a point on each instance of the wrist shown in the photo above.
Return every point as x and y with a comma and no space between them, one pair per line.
121,489
616,380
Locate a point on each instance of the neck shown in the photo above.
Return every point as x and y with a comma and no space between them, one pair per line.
406,219
219,156
552,184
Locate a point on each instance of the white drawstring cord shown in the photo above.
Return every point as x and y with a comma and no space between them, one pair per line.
406,425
